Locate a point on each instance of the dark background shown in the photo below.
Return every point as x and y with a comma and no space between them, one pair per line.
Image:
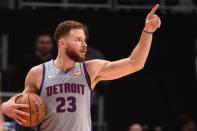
154,95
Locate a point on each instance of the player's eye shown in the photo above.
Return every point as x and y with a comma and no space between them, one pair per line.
78,39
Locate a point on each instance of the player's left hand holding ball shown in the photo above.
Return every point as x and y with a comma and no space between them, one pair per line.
153,22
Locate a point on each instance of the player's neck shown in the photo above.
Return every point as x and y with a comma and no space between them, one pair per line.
64,62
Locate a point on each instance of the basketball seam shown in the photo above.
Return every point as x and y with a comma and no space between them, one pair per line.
35,111
39,111
29,108
20,100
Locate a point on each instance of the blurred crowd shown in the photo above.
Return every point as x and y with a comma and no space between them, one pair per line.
142,2
183,123
113,3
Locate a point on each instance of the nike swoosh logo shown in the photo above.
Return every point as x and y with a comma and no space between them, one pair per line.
51,76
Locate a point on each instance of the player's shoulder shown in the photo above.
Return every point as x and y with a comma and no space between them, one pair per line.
36,69
39,68
34,77
95,62
94,66
91,63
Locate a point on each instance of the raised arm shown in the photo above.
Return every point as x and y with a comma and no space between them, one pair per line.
106,70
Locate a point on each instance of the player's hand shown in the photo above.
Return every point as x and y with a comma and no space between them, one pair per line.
11,109
152,20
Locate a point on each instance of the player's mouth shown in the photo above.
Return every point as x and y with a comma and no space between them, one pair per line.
83,52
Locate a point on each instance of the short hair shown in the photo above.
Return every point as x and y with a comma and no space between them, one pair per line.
44,33
65,27
41,34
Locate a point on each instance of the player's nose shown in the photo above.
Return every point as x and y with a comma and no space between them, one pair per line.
84,44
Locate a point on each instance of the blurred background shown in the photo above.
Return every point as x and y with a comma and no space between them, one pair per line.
161,97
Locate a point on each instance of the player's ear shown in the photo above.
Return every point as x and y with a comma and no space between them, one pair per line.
62,43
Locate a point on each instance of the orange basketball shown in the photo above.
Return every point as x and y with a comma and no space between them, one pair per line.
36,109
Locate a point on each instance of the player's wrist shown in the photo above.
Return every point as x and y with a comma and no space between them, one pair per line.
2,108
147,32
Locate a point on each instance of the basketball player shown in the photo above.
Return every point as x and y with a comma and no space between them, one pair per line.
65,84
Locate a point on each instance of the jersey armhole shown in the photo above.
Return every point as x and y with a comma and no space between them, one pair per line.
43,77
87,76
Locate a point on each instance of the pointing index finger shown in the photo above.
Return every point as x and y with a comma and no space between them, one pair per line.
152,12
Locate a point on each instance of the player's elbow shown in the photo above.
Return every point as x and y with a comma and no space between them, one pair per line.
139,67
136,65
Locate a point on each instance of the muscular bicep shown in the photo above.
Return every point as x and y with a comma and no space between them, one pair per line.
33,80
117,69
107,70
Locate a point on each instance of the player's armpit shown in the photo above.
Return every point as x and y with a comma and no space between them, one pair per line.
33,80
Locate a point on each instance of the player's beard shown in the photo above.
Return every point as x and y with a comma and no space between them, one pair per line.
74,55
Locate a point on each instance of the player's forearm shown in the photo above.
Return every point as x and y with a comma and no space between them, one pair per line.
141,51
139,55
0,108
1,117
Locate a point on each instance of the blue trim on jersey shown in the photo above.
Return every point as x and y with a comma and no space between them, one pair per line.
41,85
89,83
87,76
43,77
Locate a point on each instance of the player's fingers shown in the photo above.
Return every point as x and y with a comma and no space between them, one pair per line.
159,22
151,21
16,96
19,118
17,121
152,12
152,17
22,113
21,106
